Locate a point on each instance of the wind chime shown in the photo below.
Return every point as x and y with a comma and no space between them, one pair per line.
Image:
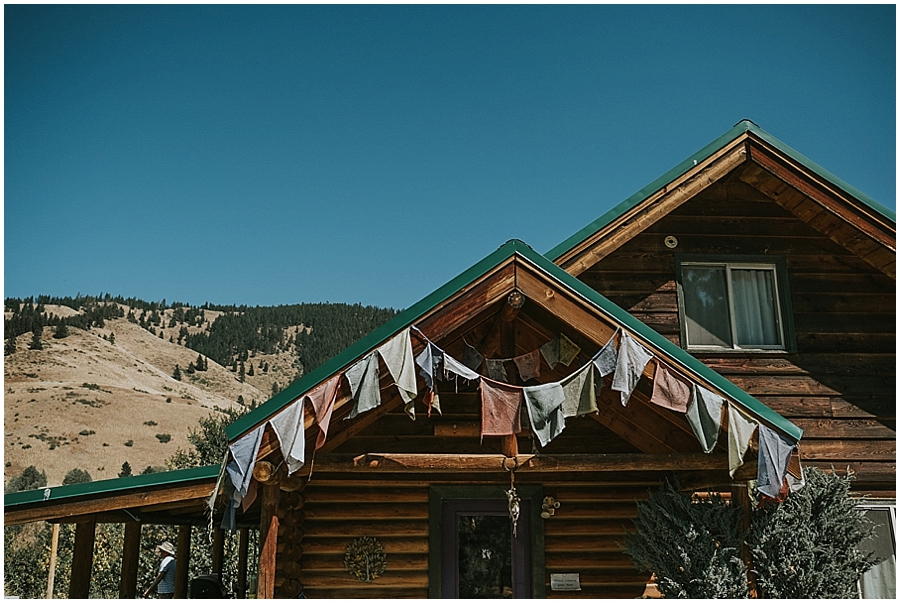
512,496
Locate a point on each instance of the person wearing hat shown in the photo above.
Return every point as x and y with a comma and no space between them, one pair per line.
165,580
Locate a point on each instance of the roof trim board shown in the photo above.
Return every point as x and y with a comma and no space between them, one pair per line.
704,154
656,342
109,486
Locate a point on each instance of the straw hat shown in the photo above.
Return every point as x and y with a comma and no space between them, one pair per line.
166,547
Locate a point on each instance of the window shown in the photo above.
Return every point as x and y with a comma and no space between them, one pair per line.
880,581
733,302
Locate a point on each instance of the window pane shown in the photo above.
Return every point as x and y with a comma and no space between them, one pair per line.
485,557
706,305
880,581
755,313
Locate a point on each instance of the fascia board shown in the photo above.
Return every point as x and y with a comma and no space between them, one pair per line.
111,486
823,173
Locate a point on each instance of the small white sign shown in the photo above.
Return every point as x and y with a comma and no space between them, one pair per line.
565,582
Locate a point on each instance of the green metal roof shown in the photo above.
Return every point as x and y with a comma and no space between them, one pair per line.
111,486
409,316
701,155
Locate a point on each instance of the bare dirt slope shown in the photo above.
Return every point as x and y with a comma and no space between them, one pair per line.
86,402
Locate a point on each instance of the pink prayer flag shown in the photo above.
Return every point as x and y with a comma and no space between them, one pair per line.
501,408
670,389
322,399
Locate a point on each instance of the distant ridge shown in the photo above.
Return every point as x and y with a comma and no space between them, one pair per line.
91,382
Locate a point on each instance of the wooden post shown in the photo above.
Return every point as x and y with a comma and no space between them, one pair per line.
131,553
268,540
218,551
243,546
740,496
54,545
82,560
182,560
509,445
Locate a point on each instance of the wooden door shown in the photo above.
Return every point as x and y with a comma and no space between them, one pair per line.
480,557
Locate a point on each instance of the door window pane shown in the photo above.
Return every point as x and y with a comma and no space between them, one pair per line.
755,312
706,306
485,557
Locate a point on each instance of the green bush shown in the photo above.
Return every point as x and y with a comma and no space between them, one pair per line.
808,545
163,438
692,545
76,476
29,479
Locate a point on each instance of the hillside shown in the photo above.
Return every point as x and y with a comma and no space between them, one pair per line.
103,394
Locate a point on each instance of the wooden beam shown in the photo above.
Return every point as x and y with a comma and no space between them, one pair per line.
243,548
740,497
266,472
268,541
182,561
218,551
509,444
131,552
528,463
82,560
54,547
45,511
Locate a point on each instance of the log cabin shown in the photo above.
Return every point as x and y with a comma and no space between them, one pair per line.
748,271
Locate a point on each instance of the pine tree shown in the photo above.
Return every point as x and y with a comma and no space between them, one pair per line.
250,370
62,331
126,470
10,345
808,545
112,338
176,375
76,476
36,338
242,373
29,479
691,544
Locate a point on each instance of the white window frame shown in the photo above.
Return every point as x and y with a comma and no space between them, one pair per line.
729,266
880,505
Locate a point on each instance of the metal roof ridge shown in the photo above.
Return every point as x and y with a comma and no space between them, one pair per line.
106,486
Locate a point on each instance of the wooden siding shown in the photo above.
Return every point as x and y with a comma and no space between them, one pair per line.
840,385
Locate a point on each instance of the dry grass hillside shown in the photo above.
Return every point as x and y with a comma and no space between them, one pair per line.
88,402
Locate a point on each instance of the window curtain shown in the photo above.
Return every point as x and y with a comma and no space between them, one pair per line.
755,314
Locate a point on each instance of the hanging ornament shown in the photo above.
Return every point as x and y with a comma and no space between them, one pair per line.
512,496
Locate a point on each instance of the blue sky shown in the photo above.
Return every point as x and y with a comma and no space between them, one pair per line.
276,155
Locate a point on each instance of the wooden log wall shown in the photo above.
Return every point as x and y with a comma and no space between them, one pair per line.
581,537
840,385
585,534
336,513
